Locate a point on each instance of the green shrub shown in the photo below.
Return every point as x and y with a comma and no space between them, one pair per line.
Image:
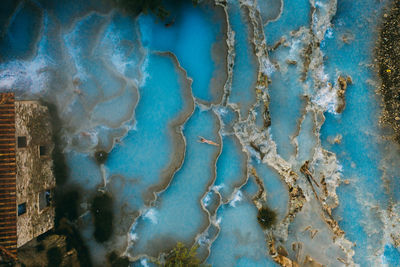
266,217
101,156
181,256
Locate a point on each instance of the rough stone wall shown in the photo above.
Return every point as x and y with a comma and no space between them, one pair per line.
34,172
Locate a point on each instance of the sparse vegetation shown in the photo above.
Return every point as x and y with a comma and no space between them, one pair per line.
388,59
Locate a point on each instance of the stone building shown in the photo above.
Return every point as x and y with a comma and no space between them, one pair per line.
26,177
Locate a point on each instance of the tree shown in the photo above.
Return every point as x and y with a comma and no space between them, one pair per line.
181,256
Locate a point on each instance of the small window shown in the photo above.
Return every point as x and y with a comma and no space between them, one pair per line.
43,151
44,199
21,141
21,209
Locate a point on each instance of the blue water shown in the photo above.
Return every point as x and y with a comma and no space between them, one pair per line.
245,67
285,108
359,151
143,154
121,42
192,38
178,214
22,33
306,138
270,9
116,89
287,88
231,167
391,255
290,20
6,13
212,200
239,235
277,193
88,175
67,12
228,117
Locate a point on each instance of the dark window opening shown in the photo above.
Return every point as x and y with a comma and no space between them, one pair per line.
21,141
43,151
21,209
44,199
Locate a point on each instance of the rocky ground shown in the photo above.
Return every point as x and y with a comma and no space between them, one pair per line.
52,250
388,56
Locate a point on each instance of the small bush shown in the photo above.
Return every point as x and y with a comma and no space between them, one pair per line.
101,156
266,217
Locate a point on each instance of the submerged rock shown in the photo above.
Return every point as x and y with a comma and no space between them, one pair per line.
343,82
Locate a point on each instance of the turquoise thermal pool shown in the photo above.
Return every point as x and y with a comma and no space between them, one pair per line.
207,117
